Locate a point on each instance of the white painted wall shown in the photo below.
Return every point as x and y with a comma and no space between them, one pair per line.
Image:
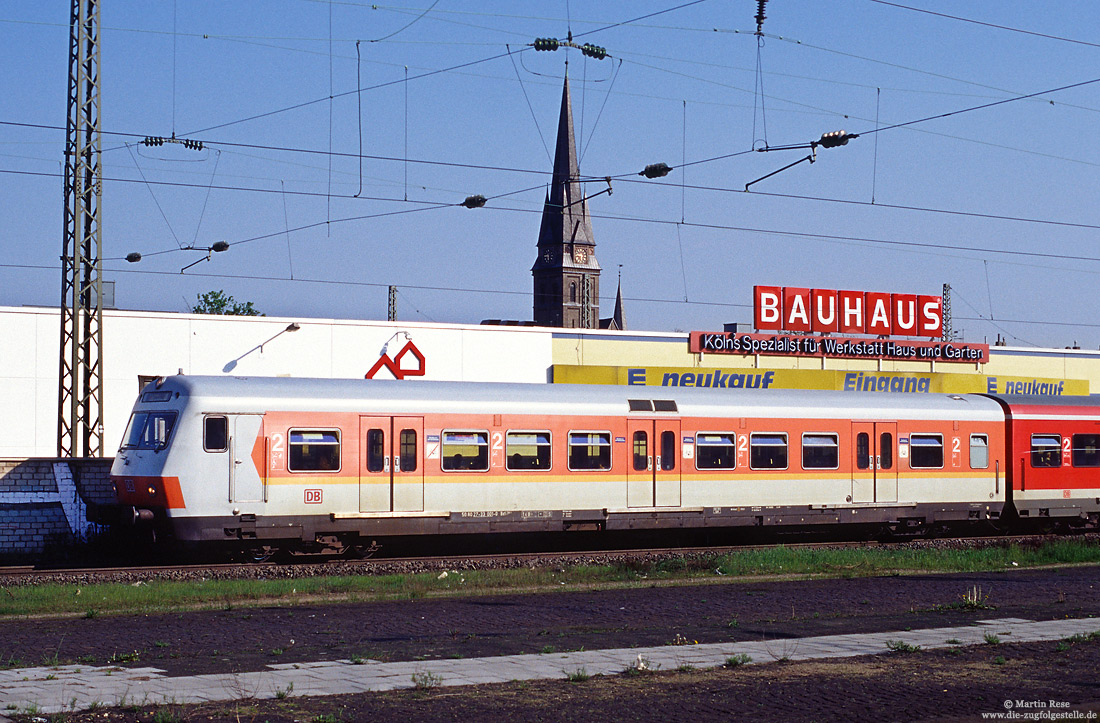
160,343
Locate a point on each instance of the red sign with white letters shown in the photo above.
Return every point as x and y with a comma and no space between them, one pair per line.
777,308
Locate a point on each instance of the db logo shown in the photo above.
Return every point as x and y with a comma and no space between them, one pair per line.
394,365
313,497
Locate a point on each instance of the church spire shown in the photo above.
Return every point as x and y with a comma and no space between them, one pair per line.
566,273
565,215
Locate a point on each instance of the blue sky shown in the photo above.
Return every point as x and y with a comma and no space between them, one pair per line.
999,202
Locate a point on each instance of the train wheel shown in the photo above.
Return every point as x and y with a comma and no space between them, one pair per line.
259,553
362,551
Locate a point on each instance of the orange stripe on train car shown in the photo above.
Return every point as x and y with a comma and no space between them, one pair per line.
169,494
173,494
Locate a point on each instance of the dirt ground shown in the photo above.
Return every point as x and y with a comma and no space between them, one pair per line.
927,685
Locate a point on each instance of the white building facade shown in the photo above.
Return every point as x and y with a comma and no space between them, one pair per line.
138,345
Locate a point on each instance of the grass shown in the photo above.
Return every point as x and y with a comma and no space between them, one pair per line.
577,676
424,680
172,596
736,661
131,657
900,646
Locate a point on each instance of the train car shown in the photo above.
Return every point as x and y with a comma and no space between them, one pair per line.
327,465
1054,452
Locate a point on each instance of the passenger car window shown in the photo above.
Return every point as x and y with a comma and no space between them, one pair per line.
979,451
314,450
820,451
1086,450
768,451
589,450
715,450
1046,450
528,450
925,451
466,451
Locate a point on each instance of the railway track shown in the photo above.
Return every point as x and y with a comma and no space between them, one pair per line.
30,575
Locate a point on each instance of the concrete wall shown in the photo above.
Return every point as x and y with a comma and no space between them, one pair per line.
44,504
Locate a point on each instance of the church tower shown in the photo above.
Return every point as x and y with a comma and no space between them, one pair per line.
566,273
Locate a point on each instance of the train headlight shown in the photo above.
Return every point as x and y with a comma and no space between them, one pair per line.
152,491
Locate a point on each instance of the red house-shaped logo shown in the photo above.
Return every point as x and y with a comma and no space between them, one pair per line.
394,365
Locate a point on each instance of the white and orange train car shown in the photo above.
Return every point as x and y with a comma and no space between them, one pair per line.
323,464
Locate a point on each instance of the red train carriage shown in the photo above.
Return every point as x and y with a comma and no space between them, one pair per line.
1054,454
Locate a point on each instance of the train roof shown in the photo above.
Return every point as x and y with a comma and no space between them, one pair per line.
1021,406
252,394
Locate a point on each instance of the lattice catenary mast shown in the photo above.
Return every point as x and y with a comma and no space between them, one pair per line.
80,379
948,325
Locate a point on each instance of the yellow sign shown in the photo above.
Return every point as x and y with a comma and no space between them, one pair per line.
839,380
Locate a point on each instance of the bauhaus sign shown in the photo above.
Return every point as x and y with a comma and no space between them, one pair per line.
778,308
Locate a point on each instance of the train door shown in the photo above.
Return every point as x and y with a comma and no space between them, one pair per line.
391,469
653,471
874,468
246,483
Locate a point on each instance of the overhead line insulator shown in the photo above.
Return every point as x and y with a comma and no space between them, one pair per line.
656,170
594,51
832,139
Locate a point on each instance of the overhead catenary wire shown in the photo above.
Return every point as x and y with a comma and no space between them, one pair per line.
503,292
624,178
426,74
988,25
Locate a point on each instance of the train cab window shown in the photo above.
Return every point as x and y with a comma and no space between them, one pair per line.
589,450
820,451
1086,450
768,451
528,450
668,451
979,451
925,451
376,450
863,451
314,450
715,450
149,430
641,451
465,451
886,451
407,454
1046,450
215,434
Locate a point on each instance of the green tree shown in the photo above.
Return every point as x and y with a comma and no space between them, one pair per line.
219,302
